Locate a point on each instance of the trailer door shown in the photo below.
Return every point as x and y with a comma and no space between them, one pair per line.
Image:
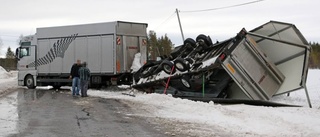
130,49
258,78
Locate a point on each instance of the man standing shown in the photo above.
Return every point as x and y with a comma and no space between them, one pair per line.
74,75
84,74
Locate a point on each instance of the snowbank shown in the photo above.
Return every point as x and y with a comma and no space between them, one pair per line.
8,80
4,74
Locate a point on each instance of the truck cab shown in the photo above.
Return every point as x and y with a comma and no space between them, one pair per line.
26,54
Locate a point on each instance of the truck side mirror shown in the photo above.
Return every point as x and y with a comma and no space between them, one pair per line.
17,54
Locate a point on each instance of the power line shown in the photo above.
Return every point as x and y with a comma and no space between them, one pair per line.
165,20
4,35
237,5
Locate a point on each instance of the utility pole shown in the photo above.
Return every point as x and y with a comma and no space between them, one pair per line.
177,11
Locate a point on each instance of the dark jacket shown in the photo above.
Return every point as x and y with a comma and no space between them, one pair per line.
84,73
75,70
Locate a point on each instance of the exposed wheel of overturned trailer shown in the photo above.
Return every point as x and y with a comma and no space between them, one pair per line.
167,66
190,61
207,40
29,82
190,43
146,72
185,80
181,64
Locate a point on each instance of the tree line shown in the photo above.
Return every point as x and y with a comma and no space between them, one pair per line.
158,46
314,58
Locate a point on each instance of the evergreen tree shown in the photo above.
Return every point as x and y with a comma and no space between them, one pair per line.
10,54
152,45
158,46
1,44
314,59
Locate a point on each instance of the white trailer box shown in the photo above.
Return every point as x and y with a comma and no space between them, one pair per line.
108,48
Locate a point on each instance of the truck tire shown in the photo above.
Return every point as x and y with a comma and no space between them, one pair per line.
166,66
56,86
146,72
190,43
29,82
207,40
156,70
181,64
190,61
185,80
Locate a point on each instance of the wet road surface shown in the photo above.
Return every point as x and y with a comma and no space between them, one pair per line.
42,112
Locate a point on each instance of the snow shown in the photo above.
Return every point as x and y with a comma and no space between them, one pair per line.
136,65
4,74
209,62
7,80
190,118
209,119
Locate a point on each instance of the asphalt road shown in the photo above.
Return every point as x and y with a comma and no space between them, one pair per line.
48,113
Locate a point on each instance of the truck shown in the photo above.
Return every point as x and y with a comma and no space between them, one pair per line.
267,61
45,58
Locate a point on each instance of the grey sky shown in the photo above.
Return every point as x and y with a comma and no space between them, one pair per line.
24,16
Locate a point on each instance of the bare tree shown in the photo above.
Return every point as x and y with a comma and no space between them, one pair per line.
20,38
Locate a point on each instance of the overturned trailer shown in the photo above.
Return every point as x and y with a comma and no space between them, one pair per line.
254,65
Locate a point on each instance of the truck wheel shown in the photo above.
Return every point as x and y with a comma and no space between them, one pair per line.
146,72
189,43
56,86
181,64
185,80
190,61
206,40
29,82
156,70
167,67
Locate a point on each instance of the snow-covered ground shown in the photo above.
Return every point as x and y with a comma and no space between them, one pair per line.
185,117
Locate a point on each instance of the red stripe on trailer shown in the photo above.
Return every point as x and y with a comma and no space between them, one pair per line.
144,42
132,47
118,40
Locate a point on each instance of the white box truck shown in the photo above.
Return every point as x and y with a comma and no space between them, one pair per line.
108,48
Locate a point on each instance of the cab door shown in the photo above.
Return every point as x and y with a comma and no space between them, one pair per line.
27,58
26,65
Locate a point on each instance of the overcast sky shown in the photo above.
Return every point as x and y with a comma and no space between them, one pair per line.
24,16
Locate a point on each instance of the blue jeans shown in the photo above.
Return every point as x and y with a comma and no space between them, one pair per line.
75,85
